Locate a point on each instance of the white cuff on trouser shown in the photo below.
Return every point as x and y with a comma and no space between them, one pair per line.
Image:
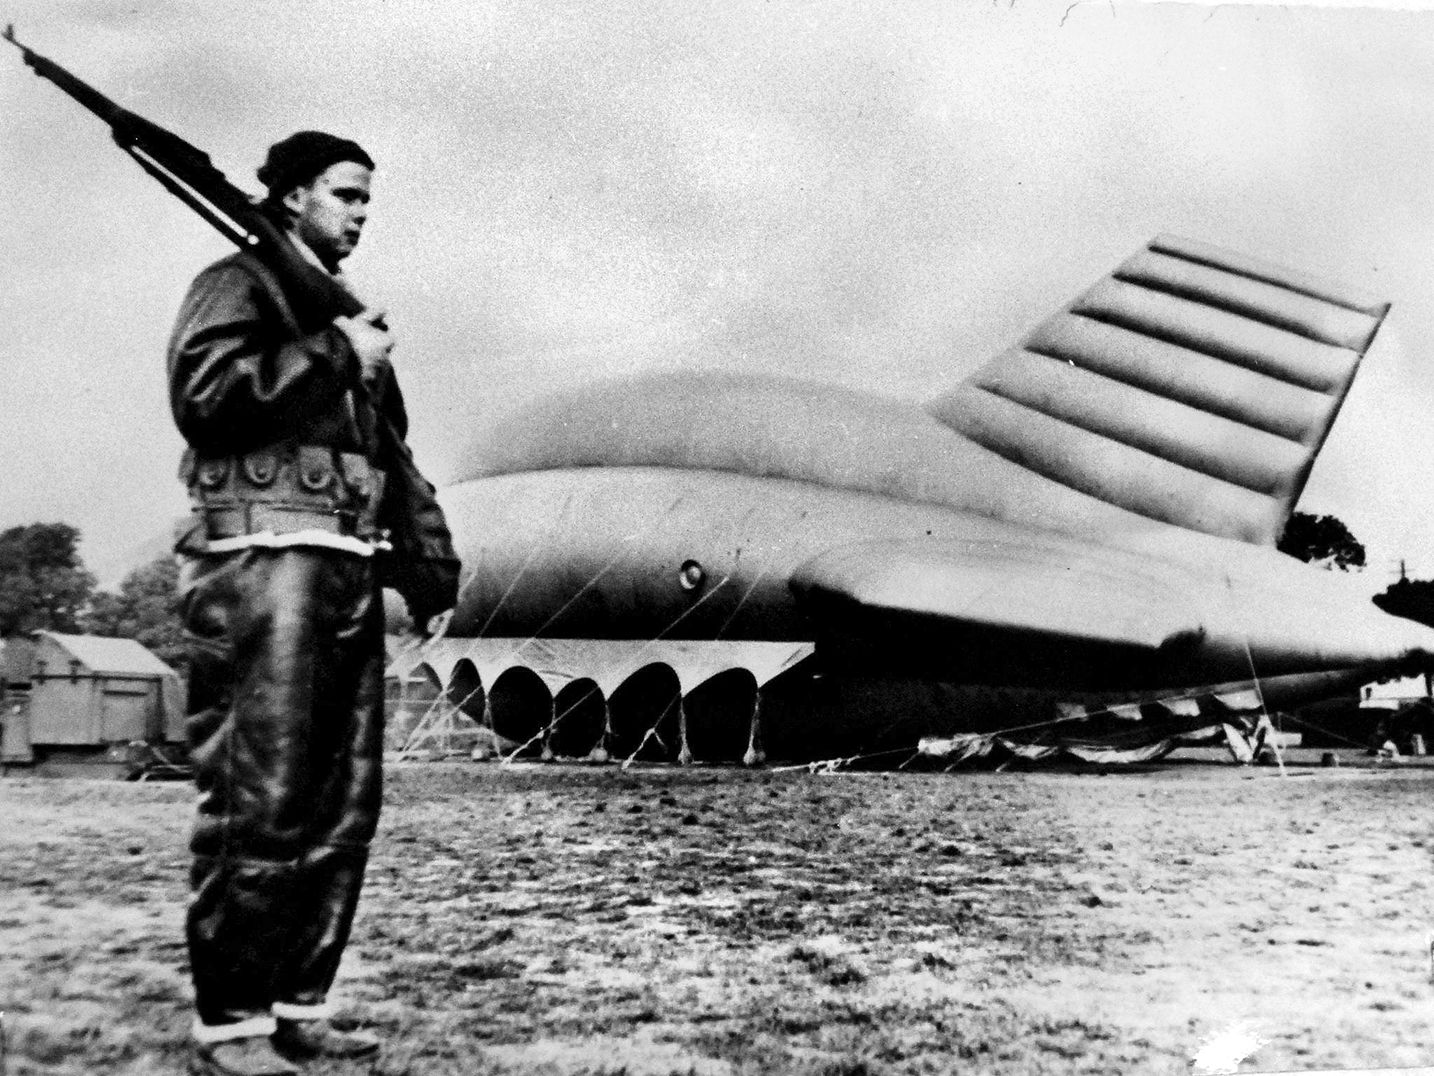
253,1028
284,1011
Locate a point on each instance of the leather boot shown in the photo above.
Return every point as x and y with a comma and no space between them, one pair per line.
305,1039
253,1056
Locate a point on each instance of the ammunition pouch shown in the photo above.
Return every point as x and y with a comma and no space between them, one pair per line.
283,489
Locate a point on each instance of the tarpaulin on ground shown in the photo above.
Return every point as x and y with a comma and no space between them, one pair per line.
976,746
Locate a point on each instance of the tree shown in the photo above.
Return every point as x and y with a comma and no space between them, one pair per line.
43,583
143,609
1321,540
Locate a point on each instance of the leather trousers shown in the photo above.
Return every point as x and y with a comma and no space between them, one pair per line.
286,739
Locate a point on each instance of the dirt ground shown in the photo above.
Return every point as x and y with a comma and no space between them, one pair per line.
568,919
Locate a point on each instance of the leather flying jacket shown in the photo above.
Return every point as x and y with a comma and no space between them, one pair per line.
248,370
252,372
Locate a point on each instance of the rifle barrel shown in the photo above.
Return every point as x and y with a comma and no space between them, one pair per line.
188,174
82,92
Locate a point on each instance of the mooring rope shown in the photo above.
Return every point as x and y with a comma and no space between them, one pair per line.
1276,746
538,547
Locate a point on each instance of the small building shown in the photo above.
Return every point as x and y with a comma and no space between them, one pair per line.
85,699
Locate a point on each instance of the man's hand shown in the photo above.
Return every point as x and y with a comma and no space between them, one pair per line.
429,630
437,626
371,343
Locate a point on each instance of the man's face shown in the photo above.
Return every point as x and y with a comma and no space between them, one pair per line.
330,211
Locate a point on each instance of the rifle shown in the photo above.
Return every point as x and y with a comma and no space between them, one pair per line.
423,563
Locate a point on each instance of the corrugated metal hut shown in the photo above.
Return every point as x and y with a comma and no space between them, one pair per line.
89,695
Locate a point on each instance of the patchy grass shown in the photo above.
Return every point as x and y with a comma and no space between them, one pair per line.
564,920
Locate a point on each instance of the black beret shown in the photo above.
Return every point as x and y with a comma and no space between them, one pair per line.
302,156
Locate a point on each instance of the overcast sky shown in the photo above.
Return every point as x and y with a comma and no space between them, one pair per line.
880,195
